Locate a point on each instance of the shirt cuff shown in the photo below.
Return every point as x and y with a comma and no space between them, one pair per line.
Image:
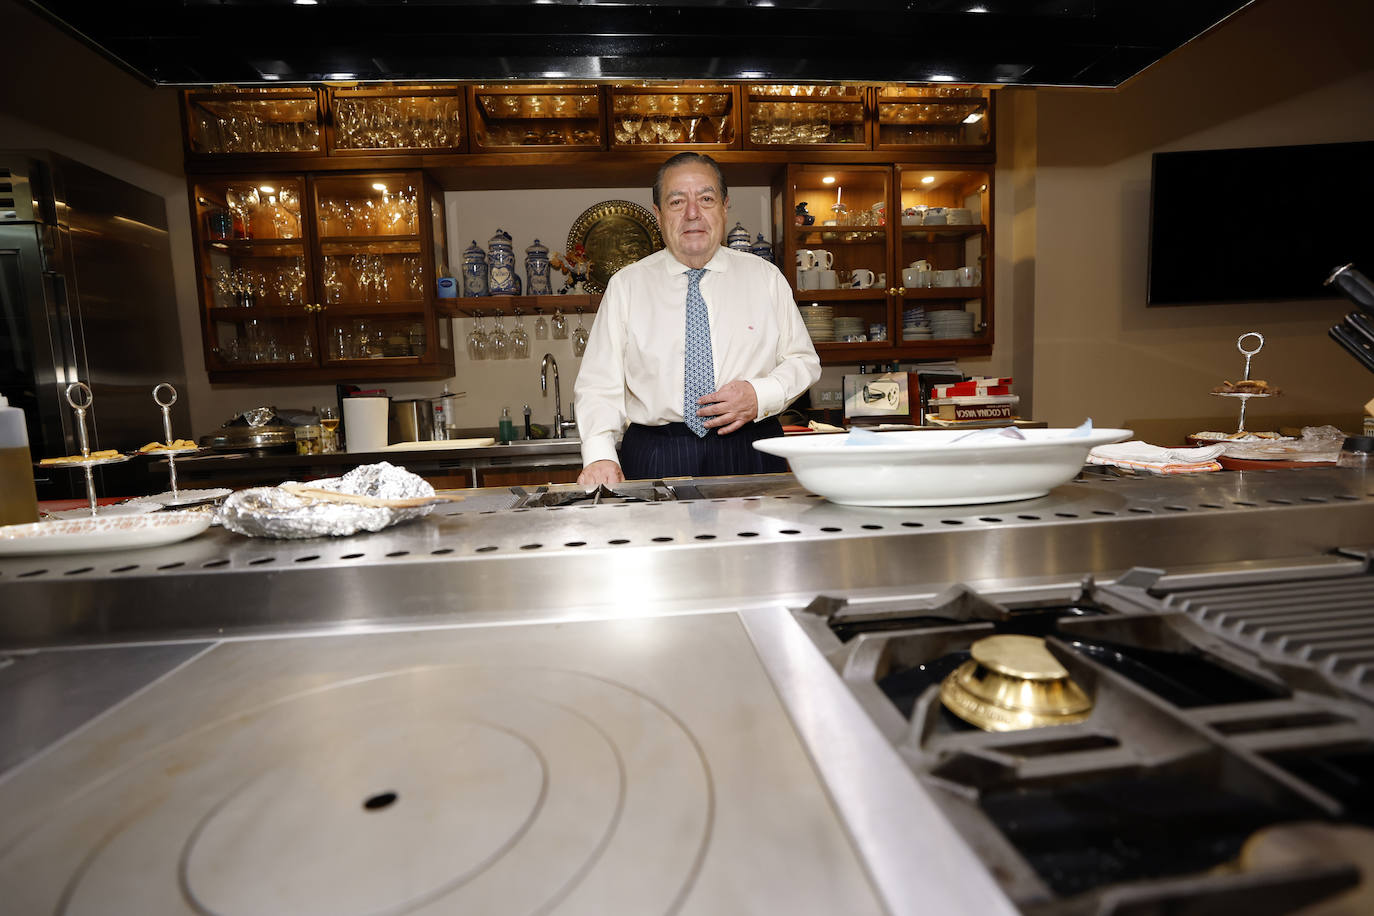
768,392
599,448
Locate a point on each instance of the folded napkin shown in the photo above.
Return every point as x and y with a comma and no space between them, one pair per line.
1137,455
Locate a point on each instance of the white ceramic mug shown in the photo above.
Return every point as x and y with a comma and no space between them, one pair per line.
824,259
828,279
810,278
915,278
862,278
946,278
970,276
920,265
806,259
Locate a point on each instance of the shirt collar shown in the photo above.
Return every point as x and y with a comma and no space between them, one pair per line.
720,262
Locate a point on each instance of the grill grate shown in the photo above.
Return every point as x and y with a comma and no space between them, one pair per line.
1327,624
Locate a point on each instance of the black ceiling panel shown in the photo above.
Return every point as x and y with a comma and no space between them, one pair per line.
244,42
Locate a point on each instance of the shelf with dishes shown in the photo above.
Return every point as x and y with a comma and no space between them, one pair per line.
276,288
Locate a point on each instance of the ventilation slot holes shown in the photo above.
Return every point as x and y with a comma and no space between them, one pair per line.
78,571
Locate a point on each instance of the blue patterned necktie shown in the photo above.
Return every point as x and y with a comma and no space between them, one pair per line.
698,374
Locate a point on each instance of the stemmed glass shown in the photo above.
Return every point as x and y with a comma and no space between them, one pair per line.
579,335
499,342
477,339
559,325
329,423
519,338
541,325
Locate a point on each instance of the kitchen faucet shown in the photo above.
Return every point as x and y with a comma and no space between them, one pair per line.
558,424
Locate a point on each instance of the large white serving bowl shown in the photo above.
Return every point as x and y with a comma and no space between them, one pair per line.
930,468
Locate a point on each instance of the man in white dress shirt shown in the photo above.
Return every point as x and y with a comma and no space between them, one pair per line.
636,367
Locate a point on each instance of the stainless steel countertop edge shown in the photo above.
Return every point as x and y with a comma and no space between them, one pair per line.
915,871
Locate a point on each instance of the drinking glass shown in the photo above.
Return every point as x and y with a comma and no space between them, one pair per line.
519,338
559,325
329,425
499,341
579,335
477,339
541,325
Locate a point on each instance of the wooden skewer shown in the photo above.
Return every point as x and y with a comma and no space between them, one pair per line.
320,493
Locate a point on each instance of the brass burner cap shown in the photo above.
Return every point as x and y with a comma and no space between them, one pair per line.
1012,683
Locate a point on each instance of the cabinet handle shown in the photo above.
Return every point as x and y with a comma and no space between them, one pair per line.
892,290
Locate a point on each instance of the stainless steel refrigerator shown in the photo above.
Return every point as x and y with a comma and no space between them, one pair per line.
86,294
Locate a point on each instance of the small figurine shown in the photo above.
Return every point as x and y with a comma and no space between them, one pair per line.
574,266
803,218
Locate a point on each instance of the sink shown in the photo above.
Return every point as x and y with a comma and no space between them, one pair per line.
570,444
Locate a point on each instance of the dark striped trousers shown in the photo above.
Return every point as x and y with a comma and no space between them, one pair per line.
673,450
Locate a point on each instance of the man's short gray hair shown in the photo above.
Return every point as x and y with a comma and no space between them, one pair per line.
688,159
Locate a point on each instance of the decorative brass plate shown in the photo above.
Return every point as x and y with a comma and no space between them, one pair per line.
614,233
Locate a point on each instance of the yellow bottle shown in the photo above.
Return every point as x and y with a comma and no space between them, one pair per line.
18,499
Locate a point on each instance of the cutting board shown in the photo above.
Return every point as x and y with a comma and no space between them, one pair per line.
439,444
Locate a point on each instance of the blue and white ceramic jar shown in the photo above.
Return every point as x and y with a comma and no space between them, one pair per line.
538,274
737,238
474,271
763,248
502,279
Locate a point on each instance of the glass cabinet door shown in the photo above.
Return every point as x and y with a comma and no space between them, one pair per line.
944,254
829,116
408,118
255,273
562,115
837,255
687,116
935,116
375,269
253,121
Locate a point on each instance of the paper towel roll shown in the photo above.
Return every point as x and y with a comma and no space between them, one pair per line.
364,421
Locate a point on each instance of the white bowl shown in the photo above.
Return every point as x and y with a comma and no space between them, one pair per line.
930,468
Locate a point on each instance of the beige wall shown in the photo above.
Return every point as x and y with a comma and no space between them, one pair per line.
1283,71
1071,209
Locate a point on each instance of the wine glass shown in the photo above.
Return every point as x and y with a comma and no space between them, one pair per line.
329,424
499,342
559,325
541,325
477,339
519,338
579,335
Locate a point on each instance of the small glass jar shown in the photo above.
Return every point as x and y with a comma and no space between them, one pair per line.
1357,452
308,441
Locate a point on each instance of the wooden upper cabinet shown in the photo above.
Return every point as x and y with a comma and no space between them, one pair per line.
780,115
957,118
536,117
368,122
685,116
451,118
253,122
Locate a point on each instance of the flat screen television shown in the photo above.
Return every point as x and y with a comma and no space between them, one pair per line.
1257,224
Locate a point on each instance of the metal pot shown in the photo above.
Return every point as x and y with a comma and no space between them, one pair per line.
411,420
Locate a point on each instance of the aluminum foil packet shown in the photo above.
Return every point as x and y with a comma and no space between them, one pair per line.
273,512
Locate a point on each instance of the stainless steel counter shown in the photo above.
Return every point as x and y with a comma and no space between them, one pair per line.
270,684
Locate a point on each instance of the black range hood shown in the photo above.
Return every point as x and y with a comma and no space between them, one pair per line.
1095,43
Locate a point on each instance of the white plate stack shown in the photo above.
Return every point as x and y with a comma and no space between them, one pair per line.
820,323
947,324
849,326
958,216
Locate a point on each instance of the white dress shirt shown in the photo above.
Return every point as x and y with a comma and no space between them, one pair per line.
633,366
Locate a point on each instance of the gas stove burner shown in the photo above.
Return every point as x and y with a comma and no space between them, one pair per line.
1013,683
1204,739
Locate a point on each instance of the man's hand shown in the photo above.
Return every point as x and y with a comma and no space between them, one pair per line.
601,472
729,407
